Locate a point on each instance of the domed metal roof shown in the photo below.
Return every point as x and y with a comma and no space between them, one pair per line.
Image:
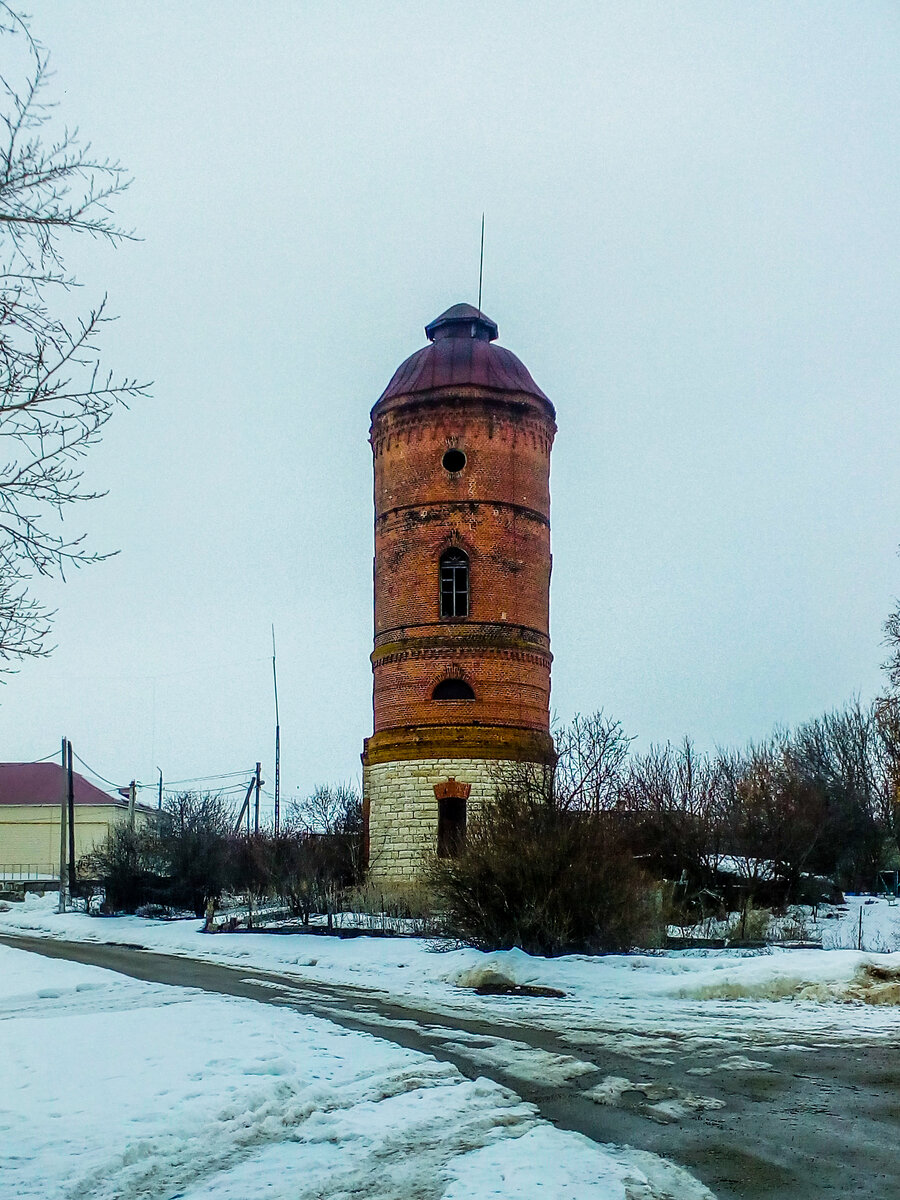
461,353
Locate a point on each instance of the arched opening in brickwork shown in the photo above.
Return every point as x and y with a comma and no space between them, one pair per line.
454,575
453,689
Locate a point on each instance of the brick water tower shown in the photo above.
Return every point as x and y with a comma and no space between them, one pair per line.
461,441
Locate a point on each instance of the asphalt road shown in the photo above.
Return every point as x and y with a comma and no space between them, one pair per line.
816,1123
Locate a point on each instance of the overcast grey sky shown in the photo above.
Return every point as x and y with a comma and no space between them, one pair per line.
692,243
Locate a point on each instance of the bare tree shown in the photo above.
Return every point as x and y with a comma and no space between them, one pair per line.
676,799
887,768
836,757
592,753
781,813
192,838
331,822
331,809
892,641
55,397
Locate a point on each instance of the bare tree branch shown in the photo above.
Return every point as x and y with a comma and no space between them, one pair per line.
55,397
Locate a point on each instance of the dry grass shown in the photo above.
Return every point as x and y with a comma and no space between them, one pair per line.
871,983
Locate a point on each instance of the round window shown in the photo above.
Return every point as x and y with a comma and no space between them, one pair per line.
453,461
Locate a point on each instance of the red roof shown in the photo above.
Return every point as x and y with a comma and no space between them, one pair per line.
462,352
42,783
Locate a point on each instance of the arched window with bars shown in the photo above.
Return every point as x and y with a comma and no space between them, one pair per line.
454,584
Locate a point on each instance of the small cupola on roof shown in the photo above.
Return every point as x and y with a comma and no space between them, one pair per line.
462,321
462,351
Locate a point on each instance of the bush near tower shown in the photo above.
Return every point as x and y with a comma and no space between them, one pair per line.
537,875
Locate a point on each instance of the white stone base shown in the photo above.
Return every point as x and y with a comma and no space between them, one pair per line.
403,809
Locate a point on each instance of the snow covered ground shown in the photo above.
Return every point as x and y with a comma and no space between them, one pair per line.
778,988
717,1006
116,1089
862,922
179,1093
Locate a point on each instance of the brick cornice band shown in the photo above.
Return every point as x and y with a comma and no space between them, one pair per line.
459,741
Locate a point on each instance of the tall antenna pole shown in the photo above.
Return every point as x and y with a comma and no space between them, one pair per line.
481,263
277,743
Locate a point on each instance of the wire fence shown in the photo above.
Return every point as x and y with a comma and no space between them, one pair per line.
28,872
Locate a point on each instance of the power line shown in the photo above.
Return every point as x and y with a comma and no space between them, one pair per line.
47,757
224,789
96,774
226,786
206,778
224,793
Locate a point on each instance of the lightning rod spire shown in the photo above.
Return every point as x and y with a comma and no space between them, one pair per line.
481,263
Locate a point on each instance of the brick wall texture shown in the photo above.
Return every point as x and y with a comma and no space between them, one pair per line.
497,510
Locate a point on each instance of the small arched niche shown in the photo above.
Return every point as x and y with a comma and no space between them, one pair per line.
453,689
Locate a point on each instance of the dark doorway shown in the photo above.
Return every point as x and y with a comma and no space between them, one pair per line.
451,827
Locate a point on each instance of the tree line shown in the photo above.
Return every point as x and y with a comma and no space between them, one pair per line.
601,851
189,855
583,855
818,800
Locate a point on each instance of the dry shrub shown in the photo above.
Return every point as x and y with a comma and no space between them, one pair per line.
871,983
876,984
411,900
751,925
400,907
548,880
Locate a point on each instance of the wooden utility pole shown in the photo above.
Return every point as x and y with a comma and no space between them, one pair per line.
132,797
245,807
258,785
63,806
70,798
159,803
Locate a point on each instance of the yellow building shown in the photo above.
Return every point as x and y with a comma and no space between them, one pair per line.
30,799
